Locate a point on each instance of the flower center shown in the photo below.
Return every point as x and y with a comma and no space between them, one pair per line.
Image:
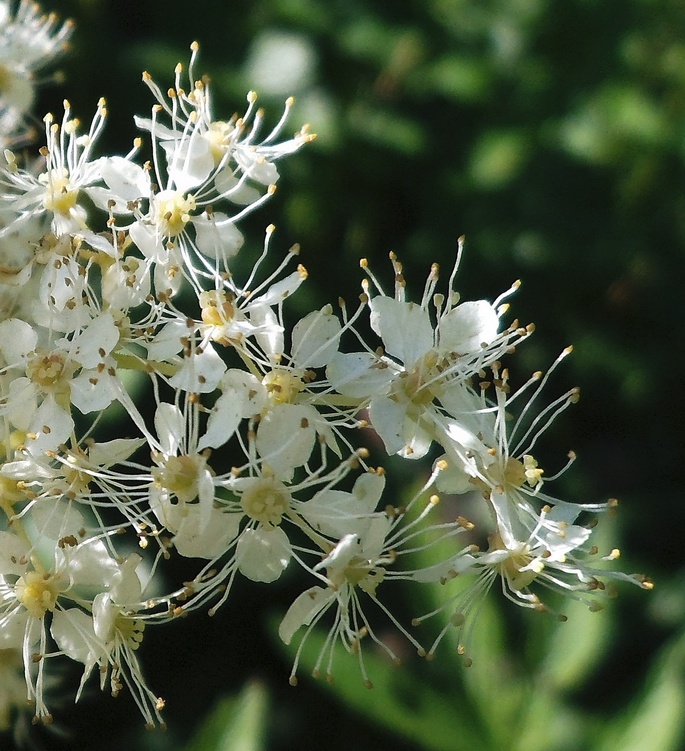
411,385
218,311
9,493
517,473
360,572
5,78
266,501
282,386
59,197
180,476
511,567
38,592
219,137
77,480
130,630
514,474
50,372
173,211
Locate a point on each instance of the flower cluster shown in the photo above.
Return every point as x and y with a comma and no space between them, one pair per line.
29,41
240,450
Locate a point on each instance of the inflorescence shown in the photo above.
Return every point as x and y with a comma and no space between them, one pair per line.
117,289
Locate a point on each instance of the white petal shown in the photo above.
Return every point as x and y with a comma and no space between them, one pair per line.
98,242
126,287
256,166
373,540
167,342
107,201
223,421
189,161
465,328
226,183
127,587
199,373
89,565
216,236
252,392
359,374
387,418
455,479
315,339
146,240
303,610
56,520
262,554
156,128
19,629
21,402
278,291
268,332
170,427
339,558
417,440
125,178
74,633
368,490
337,513
213,541
108,453
95,342
205,496
12,552
50,426
286,437
92,391
17,339
405,328
445,569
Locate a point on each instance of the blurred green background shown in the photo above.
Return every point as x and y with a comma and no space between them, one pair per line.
552,135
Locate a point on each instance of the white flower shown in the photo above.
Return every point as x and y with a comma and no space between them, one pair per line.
182,476
108,638
204,153
370,546
203,163
43,578
79,371
551,555
86,478
69,169
29,41
420,361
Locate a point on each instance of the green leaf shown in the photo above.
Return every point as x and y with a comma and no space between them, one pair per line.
497,158
388,129
656,721
576,646
235,723
493,682
401,700
459,78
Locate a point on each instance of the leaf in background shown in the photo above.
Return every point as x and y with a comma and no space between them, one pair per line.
401,700
575,647
458,77
656,720
497,158
236,723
